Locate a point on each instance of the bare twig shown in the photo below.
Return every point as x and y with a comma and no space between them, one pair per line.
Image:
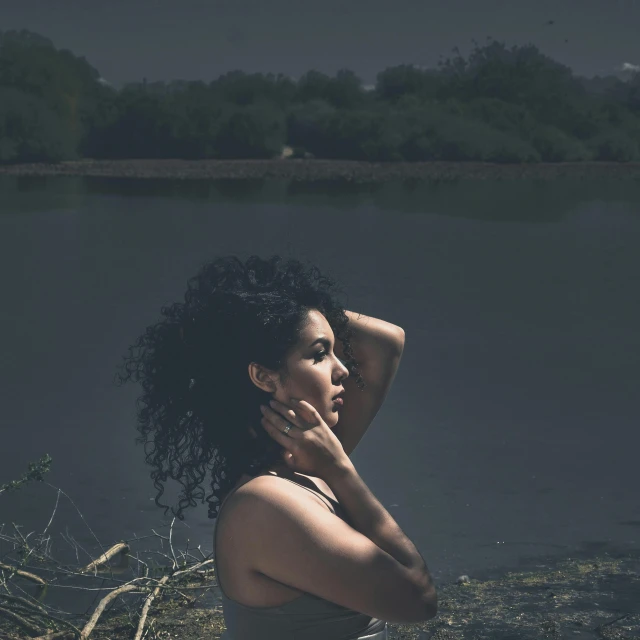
23,622
59,635
192,569
41,610
17,530
606,624
55,509
173,555
79,513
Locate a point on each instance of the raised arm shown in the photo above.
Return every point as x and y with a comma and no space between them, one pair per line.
378,347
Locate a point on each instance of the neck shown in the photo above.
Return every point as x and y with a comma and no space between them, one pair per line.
281,469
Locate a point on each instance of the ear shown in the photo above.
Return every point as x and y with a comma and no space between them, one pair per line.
262,378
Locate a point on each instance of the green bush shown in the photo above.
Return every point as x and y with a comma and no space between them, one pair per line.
255,131
195,118
31,132
413,123
434,134
356,134
418,149
554,145
307,124
614,146
508,149
384,149
618,117
139,127
501,115
461,139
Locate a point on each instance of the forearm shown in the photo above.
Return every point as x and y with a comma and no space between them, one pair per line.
370,336
371,519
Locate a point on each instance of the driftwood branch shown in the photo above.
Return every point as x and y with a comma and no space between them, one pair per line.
120,547
23,574
147,604
88,628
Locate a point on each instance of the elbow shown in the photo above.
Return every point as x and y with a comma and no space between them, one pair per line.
397,341
431,603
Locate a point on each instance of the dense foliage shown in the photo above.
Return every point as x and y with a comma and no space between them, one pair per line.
498,105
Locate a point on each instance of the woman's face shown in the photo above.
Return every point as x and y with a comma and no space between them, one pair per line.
315,372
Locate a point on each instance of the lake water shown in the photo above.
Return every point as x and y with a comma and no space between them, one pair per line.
511,431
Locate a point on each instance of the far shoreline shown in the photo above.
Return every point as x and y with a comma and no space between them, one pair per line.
319,169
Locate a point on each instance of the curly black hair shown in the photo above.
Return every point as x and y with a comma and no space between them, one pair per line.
198,398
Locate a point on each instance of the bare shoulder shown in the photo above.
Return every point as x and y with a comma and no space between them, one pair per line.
275,490
261,507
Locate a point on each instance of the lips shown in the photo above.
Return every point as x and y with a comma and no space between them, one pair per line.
339,395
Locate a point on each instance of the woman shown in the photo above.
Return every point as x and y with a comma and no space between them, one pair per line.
242,379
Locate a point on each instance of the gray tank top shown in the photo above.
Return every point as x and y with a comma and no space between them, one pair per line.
308,617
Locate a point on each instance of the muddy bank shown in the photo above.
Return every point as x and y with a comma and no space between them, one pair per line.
592,598
313,169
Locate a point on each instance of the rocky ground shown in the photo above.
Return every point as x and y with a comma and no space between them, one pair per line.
314,169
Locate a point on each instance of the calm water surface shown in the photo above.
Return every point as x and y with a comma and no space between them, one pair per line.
511,431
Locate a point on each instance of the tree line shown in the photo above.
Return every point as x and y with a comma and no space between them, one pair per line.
500,104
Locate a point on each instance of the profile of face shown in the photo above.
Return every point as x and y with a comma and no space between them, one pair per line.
315,372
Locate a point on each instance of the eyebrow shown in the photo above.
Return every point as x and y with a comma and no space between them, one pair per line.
322,340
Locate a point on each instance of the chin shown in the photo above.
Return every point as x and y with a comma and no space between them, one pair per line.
332,417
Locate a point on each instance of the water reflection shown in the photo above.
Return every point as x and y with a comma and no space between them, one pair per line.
525,200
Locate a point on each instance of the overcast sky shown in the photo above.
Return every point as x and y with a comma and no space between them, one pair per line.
127,40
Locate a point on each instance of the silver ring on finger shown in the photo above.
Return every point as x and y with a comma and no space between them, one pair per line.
287,429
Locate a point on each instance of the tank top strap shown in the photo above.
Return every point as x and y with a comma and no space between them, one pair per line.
333,504
315,493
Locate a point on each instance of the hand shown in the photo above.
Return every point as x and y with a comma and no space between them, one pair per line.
310,447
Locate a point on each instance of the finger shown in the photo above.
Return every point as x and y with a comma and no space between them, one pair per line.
282,416
282,408
280,423
309,413
275,433
301,411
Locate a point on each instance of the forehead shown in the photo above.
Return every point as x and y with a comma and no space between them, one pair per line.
316,325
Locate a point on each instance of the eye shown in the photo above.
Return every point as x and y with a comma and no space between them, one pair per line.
319,356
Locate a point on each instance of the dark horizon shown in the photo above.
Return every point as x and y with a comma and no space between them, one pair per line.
153,40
